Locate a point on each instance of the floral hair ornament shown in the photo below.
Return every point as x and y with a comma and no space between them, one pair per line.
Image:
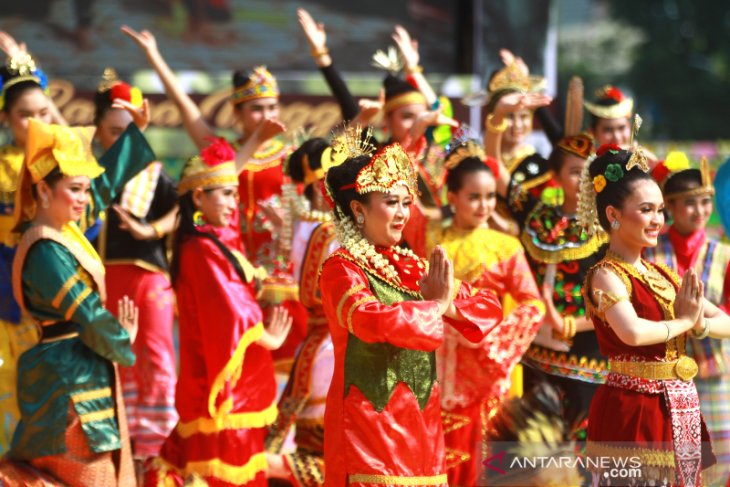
22,67
638,157
350,142
587,213
678,163
213,168
116,88
261,84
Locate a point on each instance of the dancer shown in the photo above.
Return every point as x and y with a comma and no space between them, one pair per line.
226,392
302,405
72,422
476,377
386,314
132,246
642,315
688,196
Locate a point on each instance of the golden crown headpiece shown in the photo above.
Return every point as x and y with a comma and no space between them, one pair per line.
22,67
463,150
514,77
389,167
261,84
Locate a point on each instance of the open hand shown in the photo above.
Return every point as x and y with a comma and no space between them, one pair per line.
314,31
438,284
268,129
139,230
10,46
519,101
408,47
128,315
144,39
141,115
278,328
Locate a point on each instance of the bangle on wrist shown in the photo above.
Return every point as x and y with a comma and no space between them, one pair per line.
496,129
669,331
319,52
569,326
414,69
158,231
705,330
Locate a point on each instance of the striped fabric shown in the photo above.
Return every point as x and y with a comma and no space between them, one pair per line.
714,395
140,190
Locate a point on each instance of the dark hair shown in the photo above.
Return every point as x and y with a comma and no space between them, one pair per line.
343,175
240,78
683,181
17,90
51,179
557,159
615,192
312,149
456,175
102,104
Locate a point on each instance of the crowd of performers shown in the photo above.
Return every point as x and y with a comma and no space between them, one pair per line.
417,298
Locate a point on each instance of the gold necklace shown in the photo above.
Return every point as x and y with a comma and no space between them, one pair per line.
659,284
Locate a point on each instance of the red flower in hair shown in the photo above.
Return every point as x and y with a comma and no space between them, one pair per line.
218,152
615,94
493,166
121,90
607,147
412,81
660,172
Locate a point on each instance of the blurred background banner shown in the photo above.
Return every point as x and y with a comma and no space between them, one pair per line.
672,56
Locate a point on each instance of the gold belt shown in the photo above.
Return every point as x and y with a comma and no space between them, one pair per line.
684,368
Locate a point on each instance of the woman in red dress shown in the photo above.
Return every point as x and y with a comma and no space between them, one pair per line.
648,408
226,393
387,310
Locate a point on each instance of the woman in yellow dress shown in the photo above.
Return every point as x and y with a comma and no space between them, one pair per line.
475,377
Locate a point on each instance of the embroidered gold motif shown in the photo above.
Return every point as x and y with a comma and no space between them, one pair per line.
348,294
354,306
363,478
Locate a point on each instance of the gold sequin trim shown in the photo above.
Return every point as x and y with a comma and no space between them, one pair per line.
97,416
64,290
348,294
363,478
363,300
91,395
72,309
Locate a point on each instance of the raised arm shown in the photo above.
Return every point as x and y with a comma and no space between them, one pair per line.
409,50
193,121
317,39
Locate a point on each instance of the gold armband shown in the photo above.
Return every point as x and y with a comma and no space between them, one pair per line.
496,129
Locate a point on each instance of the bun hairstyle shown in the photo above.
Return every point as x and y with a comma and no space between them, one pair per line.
345,175
309,153
615,183
240,78
456,176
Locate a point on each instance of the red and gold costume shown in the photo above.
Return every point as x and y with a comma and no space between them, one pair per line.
302,405
648,407
226,390
476,377
383,414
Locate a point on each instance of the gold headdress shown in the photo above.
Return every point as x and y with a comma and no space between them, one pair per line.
619,106
677,163
21,67
514,77
213,168
261,84
389,167
464,150
48,147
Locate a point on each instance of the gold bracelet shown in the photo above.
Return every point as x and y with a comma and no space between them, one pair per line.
158,231
319,52
569,326
414,69
496,129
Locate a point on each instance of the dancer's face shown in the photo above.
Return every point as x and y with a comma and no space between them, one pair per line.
385,216
32,103
66,199
690,213
217,205
474,202
569,174
111,126
612,131
251,113
519,126
641,217
399,121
